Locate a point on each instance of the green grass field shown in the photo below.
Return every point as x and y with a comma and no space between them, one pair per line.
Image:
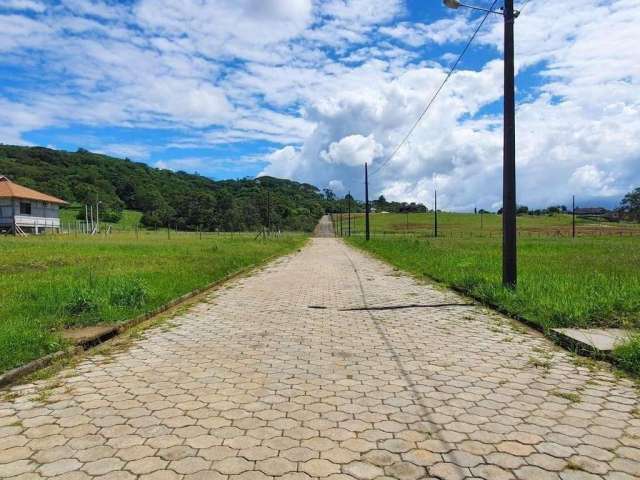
129,221
469,224
582,282
52,282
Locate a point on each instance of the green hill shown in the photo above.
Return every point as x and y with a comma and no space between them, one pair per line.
164,198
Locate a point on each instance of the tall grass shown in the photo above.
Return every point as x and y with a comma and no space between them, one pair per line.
50,283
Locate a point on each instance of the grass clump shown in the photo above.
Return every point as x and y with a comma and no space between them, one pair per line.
82,302
627,354
572,397
129,293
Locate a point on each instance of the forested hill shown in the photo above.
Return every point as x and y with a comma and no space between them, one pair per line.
166,198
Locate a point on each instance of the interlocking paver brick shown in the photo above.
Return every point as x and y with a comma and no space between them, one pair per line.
362,470
251,383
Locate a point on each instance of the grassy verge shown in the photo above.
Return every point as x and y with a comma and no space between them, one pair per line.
584,282
50,283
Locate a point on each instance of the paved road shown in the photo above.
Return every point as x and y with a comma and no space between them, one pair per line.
258,381
324,228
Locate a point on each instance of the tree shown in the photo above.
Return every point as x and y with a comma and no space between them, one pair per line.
329,195
630,205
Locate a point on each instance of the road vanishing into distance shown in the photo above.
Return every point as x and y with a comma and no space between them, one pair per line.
330,364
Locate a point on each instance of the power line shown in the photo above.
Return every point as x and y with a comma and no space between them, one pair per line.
437,92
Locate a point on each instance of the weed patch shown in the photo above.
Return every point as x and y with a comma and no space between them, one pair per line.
628,354
572,397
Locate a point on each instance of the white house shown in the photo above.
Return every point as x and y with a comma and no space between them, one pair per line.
23,210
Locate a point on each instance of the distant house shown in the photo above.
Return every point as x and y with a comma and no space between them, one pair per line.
591,211
23,210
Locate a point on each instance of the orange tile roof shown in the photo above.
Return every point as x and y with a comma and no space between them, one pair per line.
8,189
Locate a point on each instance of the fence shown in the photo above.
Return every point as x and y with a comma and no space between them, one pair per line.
478,230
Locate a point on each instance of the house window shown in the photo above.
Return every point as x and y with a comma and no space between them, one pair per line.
25,208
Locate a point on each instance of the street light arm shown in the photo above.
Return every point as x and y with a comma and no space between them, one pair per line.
456,4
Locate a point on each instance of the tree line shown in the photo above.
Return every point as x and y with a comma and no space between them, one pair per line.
165,198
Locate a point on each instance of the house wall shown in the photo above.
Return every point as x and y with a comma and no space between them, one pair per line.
6,211
42,213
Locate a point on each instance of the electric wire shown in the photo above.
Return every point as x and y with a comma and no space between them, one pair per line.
435,94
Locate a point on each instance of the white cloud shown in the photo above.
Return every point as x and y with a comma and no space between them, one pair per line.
336,186
282,163
439,32
333,84
29,5
352,150
579,133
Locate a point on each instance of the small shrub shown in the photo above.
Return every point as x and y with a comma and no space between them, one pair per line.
129,293
628,354
82,301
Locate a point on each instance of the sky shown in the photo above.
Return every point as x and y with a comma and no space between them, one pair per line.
310,90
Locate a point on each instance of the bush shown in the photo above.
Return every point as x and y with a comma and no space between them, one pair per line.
627,355
82,301
111,215
130,293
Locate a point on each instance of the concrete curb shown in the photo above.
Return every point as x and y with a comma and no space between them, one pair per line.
17,373
11,376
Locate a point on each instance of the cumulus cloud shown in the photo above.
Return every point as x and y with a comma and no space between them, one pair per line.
577,129
337,187
323,87
352,150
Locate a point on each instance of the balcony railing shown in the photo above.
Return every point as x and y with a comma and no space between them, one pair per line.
40,222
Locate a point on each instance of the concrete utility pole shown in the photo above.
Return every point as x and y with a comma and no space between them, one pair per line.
509,231
349,228
366,201
435,213
509,209
573,216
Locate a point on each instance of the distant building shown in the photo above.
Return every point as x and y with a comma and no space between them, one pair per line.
23,210
591,211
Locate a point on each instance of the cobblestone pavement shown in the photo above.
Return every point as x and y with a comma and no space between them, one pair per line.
256,383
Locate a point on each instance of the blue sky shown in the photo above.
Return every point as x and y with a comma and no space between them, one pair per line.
310,90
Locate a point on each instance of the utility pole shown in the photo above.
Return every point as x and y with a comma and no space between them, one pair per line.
435,213
509,229
340,220
366,201
573,216
509,232
349,228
